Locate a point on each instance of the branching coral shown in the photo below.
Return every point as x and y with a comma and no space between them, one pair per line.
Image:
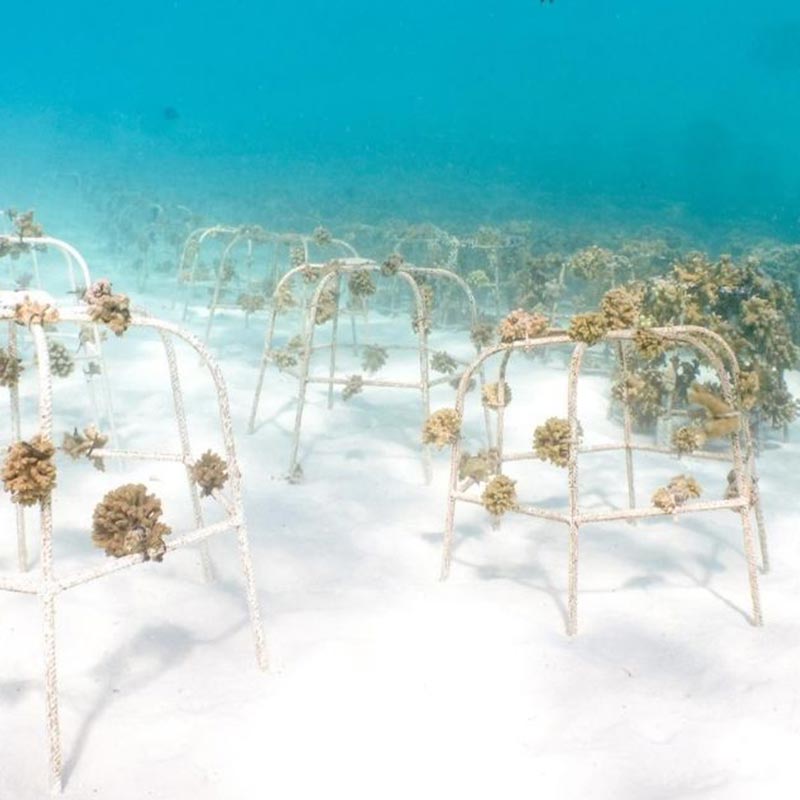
442,427
82,445
374,358
676,493
111,309
126,522
10,369
31,312
621,307
443,362
392,264
589,328
500,495
361,284
521,325
209,472
29,473
496,395
688,438
479,467
354,386
326,306
482,335
552,441
251,302
649,344
61,362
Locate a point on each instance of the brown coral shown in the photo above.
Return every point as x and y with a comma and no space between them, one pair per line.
31,312
589,328
354,386
111,309
209,472
621,307
443,427
500,495
479,467
649,344
443,362
361,284
79,445
687,439
326,306
677,492
10,369
482,335
392,264
126,522
61,363
521,325
496,395
29,473
552,441
374,358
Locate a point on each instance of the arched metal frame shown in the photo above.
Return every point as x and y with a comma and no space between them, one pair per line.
332,274
103,412
249,236
49,583
720,358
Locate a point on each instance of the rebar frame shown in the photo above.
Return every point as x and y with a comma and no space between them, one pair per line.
49,583
720,358
104,417
331,275
249,236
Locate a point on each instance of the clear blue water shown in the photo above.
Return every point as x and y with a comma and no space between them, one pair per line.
436,109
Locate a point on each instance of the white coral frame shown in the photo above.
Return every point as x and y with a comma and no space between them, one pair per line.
722,360
48,584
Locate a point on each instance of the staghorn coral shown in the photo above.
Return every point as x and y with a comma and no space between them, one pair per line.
480,467
552,441
29,473
677,492
621,307
31,312
649,344
589,328
374,358
61,363
111,309
443,362
10,369
361,284
482,335
478,279
251,302
500,495
442,427
327,305
82,445
321,236
209,472
392,264
521,325
496,395
354,386
687,439
126,522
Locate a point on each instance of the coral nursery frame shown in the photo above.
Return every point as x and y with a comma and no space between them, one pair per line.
718,356
249,237
48,584
331,278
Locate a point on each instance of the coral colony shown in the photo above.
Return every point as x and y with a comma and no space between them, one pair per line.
694,352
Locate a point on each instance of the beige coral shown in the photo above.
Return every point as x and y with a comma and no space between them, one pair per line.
676,493
552,441
209,472
29,473
500,495
496,395
521,325
443,427
126,522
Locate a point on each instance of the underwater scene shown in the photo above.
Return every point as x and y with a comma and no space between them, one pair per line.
400,400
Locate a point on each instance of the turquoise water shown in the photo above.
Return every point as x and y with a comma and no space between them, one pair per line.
441,110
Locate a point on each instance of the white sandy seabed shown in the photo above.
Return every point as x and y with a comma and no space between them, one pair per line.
385,683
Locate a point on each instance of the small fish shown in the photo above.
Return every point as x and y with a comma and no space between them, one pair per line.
170,113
